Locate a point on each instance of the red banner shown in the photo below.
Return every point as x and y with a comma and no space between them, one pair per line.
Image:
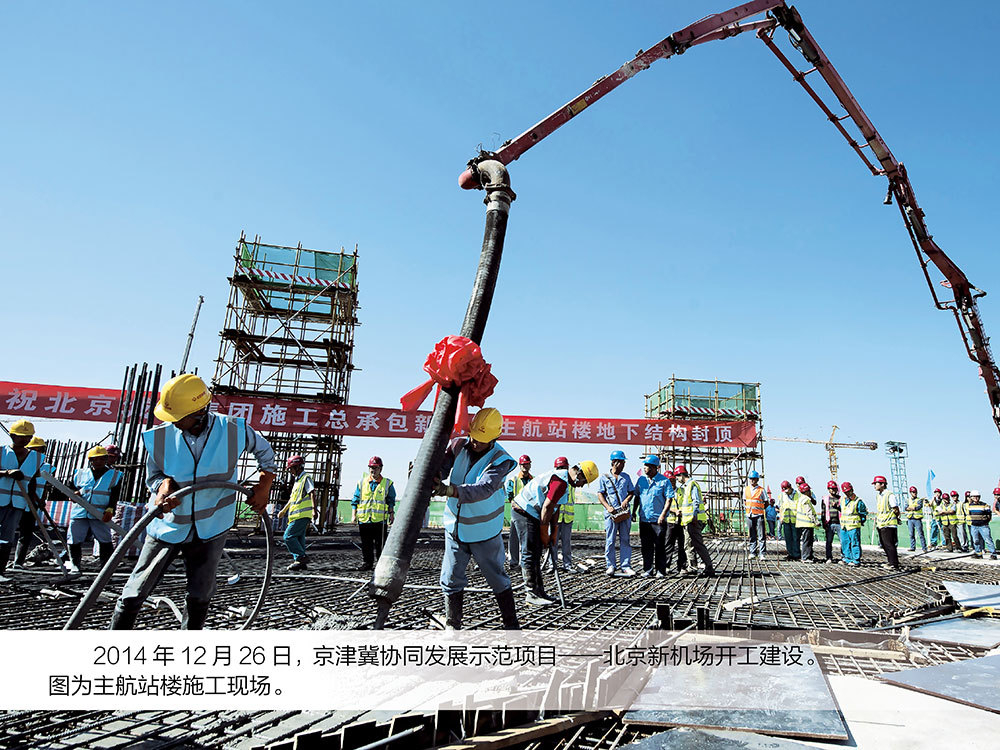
275,415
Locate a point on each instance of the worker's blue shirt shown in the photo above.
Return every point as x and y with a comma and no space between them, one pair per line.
615,489
771,512
390,495
653,495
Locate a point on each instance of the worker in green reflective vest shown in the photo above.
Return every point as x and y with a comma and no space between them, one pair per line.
693,518
806,521
372,510
512,487
886,520
915,520
300,511
789,501
964,535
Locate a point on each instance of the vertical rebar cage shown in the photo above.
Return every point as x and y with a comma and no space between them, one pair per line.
289,333
721,472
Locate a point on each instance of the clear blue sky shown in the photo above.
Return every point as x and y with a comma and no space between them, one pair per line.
703,220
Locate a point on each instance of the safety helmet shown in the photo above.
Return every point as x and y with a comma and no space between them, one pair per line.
651,461
954,494
786,485
35,442
589,469
847,487
805,489
113,450
668,474
967,492
996,490
181,396
524,459
561,463
974,493
22,427
295,461
753,475
879,479
486,425
617,455
831,485
800,480
97,451
680,470
374,461
937,490
913,489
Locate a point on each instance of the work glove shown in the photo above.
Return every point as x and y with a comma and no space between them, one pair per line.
442,489
108,514
165,503
261,492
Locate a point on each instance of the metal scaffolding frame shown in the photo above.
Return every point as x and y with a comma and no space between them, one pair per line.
289,333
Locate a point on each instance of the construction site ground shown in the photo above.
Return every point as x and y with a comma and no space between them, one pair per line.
332,594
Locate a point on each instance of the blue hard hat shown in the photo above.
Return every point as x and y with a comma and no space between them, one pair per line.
652,461
617,455
754,475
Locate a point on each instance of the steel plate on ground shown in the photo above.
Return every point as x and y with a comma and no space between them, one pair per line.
707,739
967,632
973,594
972,682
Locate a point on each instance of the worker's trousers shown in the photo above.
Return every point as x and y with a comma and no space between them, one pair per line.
831,531
850,545
937,533
488,556
621,531
915,527
889,537
756,526
372,537
529,532
963,536
981,537
674,541
295,538
806,536
25,536
791,535
653,541
513,543
950,537
566,544
695,545
771,523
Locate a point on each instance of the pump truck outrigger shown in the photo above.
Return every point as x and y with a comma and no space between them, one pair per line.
488,171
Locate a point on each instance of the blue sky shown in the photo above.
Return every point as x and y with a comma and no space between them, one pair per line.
704,220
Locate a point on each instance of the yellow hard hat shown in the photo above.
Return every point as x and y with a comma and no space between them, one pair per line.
486,425
35,442
589,469
97,451
181,396
22,427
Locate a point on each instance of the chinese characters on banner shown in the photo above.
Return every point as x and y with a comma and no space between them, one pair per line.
273,415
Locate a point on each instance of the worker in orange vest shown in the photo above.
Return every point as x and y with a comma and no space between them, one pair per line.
755,501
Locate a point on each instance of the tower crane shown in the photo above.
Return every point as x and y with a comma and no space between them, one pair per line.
831,447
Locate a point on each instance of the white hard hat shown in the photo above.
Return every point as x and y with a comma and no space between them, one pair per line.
974,493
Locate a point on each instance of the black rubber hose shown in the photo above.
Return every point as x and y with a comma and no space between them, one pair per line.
104,577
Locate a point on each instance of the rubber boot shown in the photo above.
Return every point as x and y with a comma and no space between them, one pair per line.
508,611
453,611
106,549
4,557
195,614
23,548
76,555
123,618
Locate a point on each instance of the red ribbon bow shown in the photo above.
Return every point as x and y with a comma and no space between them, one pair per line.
456,360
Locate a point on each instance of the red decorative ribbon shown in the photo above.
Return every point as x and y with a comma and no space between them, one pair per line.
456,360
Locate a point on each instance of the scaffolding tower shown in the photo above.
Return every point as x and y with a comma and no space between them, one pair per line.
721,472
897,454
289,334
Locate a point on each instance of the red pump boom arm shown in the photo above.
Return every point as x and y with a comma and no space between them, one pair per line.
882,162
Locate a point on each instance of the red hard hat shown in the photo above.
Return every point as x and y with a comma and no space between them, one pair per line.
967,493
800,480
294,461
913,489
786,485
831,485
680,469
670,475
954,494
113,450
879,479
525,459
937,490
805,488
374,461
847,487
996,491
560,463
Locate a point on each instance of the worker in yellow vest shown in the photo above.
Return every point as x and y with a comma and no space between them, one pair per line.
789,503
512,487
886,520
300,511
805,522
852,518
949,519
915,520
937,532
372,507
693,518
755,501
565,515
964,535
674,531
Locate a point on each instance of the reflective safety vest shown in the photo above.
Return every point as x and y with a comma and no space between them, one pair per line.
97,491
788,507
514,484
915,508
805,513
373,506
850,516
567,510
961,514
979,513
884,516
301,504
942,514
687,503
948,515
532,497
754,500
10,491
479,520
210,511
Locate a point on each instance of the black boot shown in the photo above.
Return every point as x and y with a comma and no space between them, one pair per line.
123,617
76,556
4,557
508,612
106,549
453,611
195,614
23,548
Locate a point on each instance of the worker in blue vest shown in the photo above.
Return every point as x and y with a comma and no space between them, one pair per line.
18,471
26,529
512,487
476,467
194,445
300,511
372,509
100,486
535,511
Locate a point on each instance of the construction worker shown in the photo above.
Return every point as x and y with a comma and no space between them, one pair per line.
852,517
693,519
996,499
567,515
300,511
830,519
949,520
789,503
534,512
193,444
615,491
980,516
937,532
674,530
755,502
805,522
886,520
473,517
771,514
513,486
374,502
100,486
18,472
653,492
964,535
114,454
26,528
915,520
